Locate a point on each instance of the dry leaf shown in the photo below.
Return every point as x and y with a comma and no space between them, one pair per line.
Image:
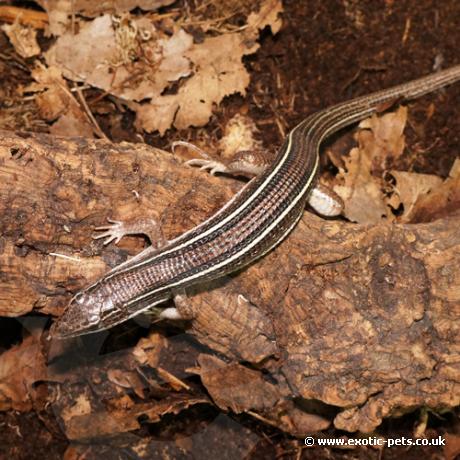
56,102
81,406
452,447
361,187
157,115
113,421
110,66
240,389
239,135
79,59
217,72
70,124
62,13
442,200
382,137
23,38
361,191
20,367
136,62
148,350
268,15
127,379
236,387
424,196
410,187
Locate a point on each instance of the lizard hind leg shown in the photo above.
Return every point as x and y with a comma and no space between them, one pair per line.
205,163
182,310
325,201
251,163
246,163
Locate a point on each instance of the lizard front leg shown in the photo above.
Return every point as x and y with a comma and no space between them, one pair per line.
150,228
142,226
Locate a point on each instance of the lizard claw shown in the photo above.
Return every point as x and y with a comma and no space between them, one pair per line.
205,162
208,165
116,232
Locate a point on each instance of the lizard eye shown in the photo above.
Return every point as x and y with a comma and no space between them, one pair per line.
81,299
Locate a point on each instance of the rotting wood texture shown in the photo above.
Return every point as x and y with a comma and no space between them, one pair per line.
363,318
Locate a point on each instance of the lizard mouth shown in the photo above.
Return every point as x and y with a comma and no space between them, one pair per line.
61,329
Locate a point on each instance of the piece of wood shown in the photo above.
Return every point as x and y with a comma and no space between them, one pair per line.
363,318
26,16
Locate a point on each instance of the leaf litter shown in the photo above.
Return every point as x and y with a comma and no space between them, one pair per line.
139,63
372,190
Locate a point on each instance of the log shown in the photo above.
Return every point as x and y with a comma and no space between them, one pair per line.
364,318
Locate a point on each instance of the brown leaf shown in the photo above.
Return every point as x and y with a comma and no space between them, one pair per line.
23,38
235,387
410,187
452,447
61,13
217,72
361,192
20,367
214,67
442,200
239,135
361,187
268,15
81,406
148,350
110,422
56,102
157,115
127,379
109,65
240,389
382,138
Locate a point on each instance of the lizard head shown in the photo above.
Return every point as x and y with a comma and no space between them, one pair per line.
83,315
